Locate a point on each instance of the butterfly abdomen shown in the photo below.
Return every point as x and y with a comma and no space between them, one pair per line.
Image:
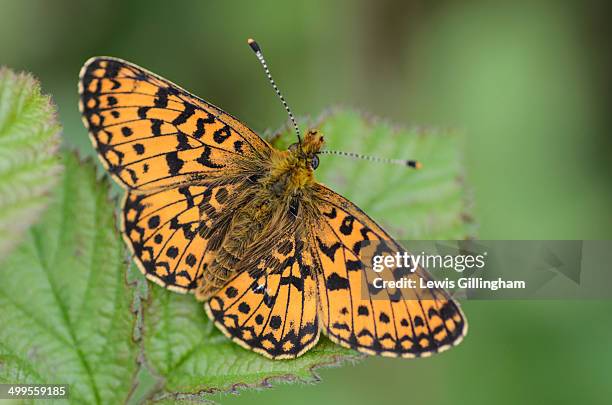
239,232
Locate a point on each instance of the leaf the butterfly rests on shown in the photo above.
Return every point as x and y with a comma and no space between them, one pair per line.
213,209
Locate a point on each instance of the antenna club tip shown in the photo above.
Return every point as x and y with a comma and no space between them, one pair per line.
415,164
254,45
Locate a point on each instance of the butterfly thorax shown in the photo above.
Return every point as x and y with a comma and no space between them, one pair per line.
292,171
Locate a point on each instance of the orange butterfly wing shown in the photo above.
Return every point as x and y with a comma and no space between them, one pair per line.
388,322
272,309
149,133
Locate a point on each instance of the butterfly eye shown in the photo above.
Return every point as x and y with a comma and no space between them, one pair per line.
293,147
314,163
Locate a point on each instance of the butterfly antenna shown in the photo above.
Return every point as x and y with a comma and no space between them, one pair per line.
401,162
255,47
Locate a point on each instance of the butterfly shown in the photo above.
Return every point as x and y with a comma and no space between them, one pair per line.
212,209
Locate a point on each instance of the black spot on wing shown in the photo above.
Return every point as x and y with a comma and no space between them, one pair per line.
133,175
395,296
156,127
169,279
172,252
363,310
190,260
188,196
142,112
112,68
161,98
185,114
201,125
275,322
448,310
244,308
297,282
340,326
153,222
183,141
126,131
231,292
331,214
336,282
175,164
384,318
238,147
347,225
204,159
269,300
329,251
352,265
138,148
222,134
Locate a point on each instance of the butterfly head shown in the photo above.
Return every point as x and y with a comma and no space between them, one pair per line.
308,149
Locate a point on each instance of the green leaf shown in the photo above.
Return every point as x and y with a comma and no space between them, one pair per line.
191,358
29,137
65,303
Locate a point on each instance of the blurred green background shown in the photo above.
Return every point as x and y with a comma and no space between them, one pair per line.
525,81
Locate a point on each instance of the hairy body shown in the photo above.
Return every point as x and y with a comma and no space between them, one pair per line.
281,201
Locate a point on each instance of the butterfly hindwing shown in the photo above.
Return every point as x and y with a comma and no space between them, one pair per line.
390,322
271,310
150,133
